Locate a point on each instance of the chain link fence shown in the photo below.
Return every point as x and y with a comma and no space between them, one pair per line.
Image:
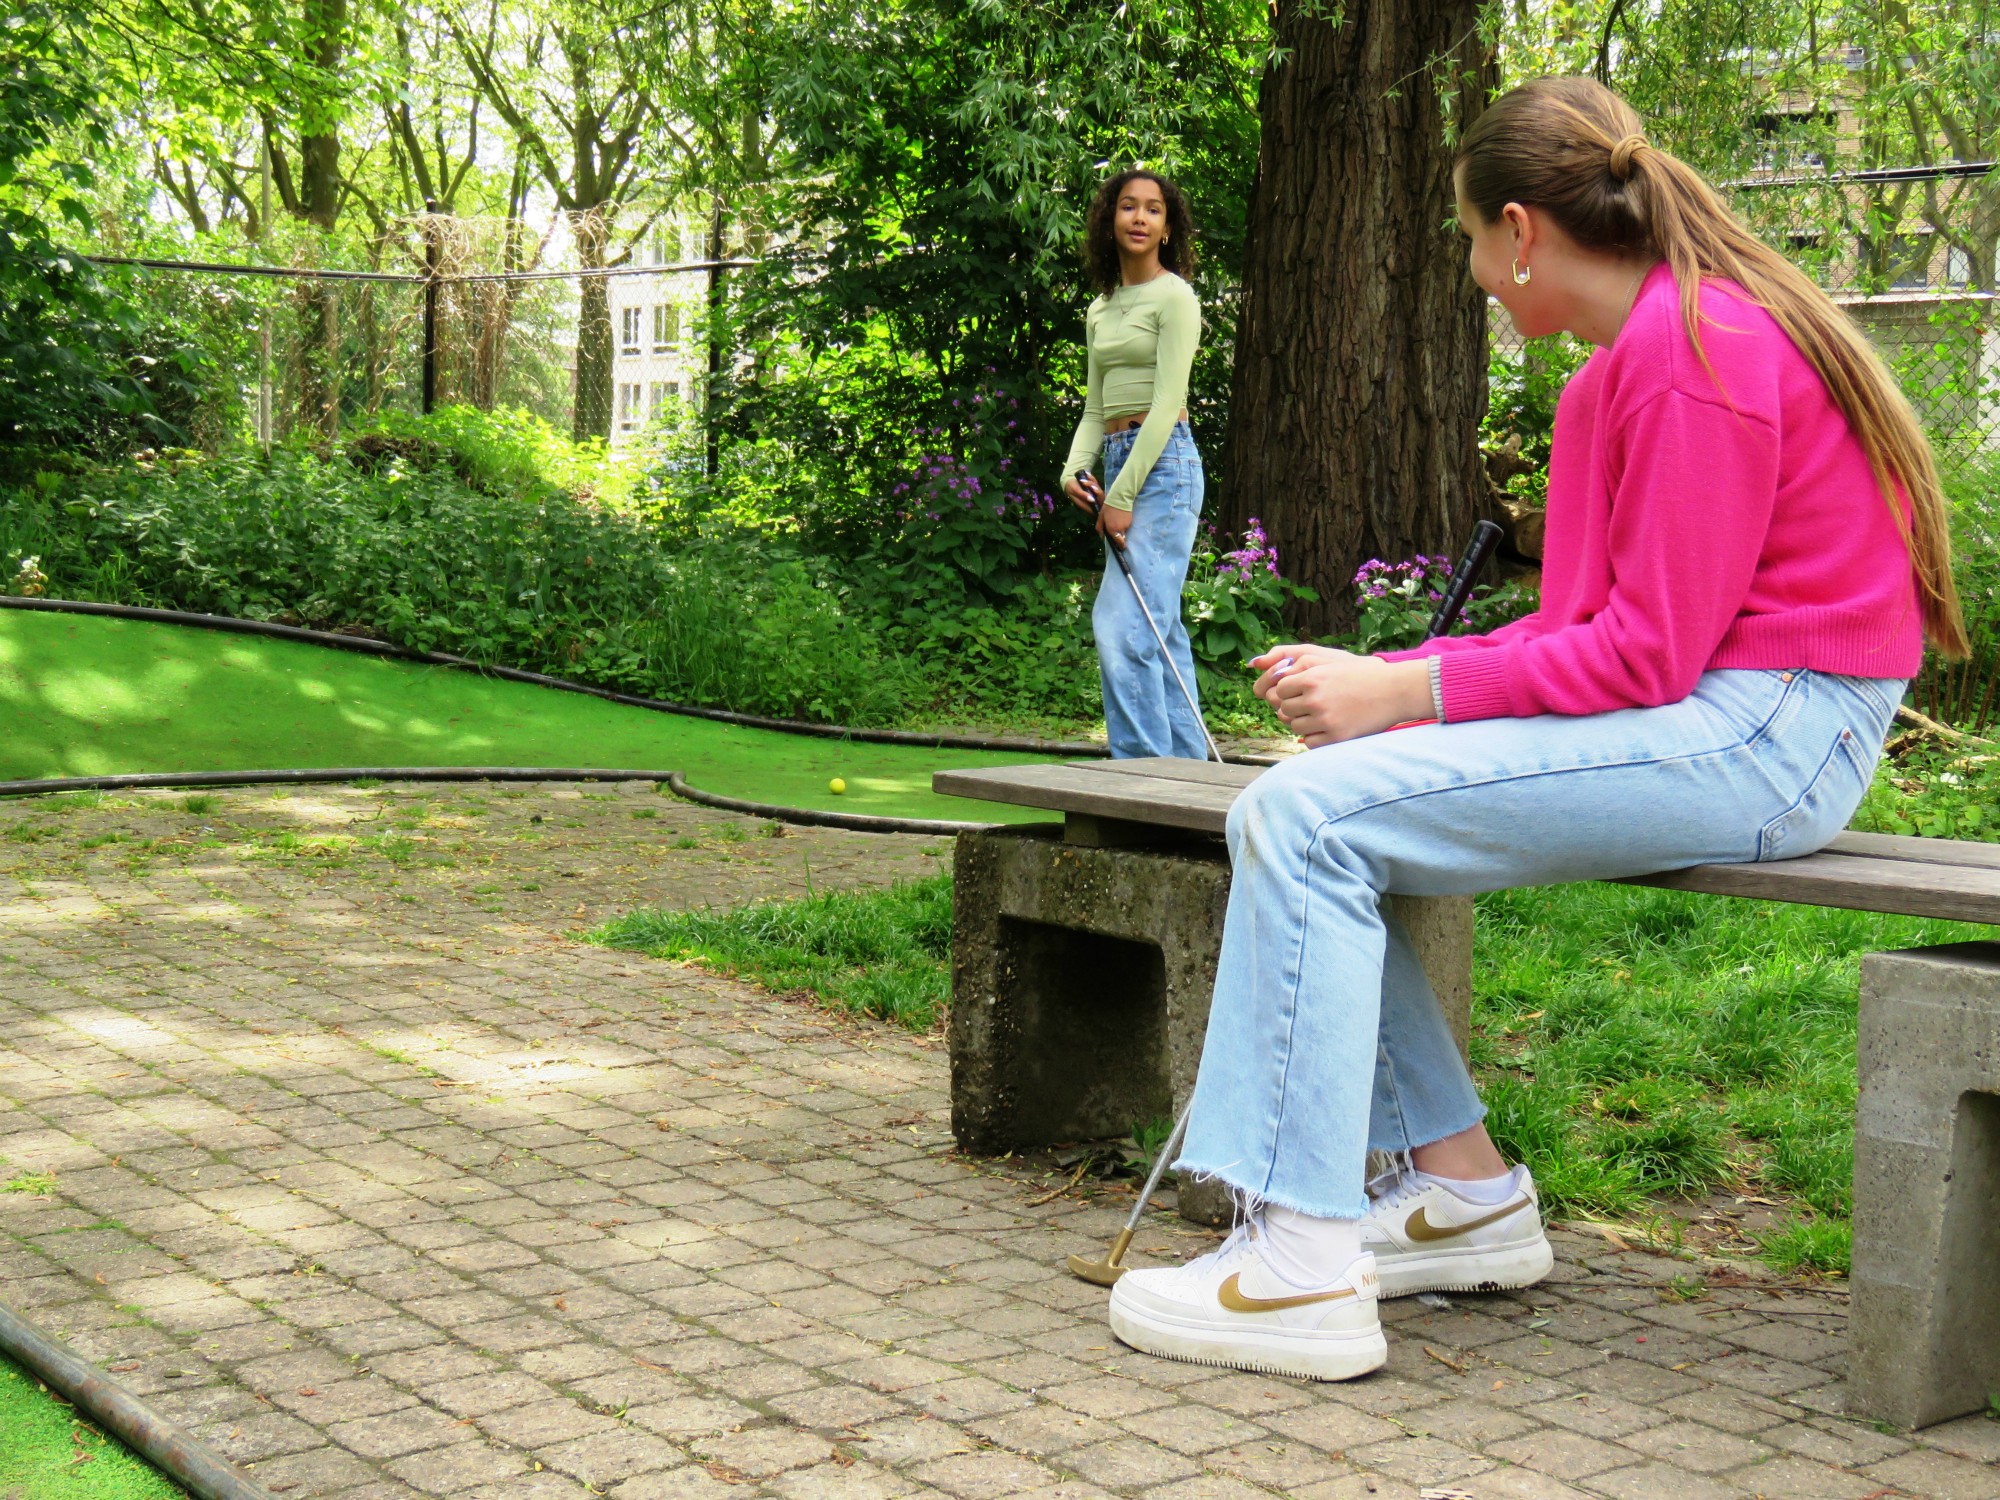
1943,347
276,351
458,310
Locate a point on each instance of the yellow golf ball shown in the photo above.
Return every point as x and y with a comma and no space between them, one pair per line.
836,785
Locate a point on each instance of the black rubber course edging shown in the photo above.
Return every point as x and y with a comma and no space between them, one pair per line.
205,1473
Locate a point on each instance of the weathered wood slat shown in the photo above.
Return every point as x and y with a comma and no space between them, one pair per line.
1862,884
1088,788
1920,851
1862,871
1166,768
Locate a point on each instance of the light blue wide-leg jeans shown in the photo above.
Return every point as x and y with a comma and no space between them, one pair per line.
1144,712
1325,1039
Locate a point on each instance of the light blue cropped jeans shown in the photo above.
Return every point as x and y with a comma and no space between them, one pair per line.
1144,712
1325,1039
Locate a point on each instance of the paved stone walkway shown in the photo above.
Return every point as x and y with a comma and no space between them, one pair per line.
322,1133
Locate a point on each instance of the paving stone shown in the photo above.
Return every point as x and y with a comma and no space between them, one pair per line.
624,1187
1689,1445
1658,1481
1938,1476
1566,1455
1594,1415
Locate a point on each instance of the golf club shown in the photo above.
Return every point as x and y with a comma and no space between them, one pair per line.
1105,1272
1118,551
1485,536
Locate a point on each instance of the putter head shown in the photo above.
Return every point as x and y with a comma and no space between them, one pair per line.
1098,1272
1104,1272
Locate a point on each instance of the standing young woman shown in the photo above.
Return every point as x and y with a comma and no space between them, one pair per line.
1746,550
1141,335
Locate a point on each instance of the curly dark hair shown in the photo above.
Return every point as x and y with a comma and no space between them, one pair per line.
1100,243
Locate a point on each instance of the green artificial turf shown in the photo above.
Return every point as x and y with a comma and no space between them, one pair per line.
48,1452
88,696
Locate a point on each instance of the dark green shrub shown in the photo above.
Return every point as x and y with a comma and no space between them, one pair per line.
541,579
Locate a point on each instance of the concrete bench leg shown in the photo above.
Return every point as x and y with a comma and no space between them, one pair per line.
1925,1328
1081,980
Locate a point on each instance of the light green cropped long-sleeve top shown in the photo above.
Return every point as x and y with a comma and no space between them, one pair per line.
1141,342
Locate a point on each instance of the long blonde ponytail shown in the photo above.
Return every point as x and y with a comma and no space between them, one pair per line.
1574,149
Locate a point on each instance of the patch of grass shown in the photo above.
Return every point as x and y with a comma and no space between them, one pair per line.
1824,1245
883,953
41,1184
200,802
49,1452
1633,1041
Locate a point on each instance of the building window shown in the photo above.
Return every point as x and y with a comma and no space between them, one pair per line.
1902,261
628,342
628,406
1909,261
663,392
666,327
694,238
1788,140
1958,267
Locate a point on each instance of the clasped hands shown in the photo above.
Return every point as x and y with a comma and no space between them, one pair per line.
1325,696
1087,495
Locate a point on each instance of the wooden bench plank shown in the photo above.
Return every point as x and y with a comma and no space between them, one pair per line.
1167,768
1088,788
1861,871
1922,851
1957,892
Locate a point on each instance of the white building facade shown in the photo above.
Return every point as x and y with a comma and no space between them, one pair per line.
658,364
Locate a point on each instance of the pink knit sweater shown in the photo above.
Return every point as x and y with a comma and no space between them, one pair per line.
1692,528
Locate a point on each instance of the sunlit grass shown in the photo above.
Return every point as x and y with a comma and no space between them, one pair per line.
1632,1042
883,953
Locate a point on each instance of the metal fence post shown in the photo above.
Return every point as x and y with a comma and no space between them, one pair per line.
431,259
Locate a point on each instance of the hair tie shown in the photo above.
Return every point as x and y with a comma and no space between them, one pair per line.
1624,155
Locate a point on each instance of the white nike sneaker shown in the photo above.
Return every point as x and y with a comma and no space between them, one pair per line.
1230,1308
1425,1238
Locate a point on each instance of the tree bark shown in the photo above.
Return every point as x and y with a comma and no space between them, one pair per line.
590,415
1360,374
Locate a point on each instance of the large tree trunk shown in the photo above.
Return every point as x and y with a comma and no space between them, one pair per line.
1360,372
590,416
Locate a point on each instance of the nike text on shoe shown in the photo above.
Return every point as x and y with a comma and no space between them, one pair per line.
1230,1308
1425,1238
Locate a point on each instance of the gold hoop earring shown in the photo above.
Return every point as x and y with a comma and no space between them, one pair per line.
1521,272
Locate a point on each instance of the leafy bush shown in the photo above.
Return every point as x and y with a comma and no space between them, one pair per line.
506,451
1396,602
540,579
1966,695
1523,386
1935,791
1234,599
79,366
967,513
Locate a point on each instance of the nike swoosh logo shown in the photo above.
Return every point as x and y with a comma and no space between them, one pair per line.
1232,1298
1423,1230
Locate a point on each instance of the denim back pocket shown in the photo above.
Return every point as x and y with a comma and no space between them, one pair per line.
1823,809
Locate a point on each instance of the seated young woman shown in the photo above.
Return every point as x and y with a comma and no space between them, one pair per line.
1746,551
